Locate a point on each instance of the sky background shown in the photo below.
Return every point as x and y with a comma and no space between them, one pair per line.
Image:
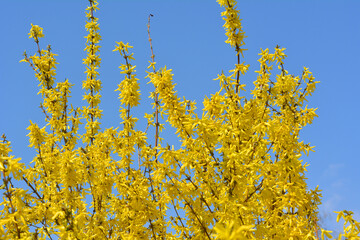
188,37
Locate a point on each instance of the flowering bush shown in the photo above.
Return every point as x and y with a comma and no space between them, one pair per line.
238,173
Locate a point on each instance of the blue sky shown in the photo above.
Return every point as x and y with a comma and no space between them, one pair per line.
188,37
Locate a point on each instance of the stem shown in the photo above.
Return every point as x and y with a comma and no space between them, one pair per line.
156,118
156,94
237,49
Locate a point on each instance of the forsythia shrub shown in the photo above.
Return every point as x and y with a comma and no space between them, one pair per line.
238,173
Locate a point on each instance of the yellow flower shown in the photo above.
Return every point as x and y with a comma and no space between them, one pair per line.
35,32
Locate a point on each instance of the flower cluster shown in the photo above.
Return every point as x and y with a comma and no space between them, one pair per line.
36,32
232,25
129,87
92,84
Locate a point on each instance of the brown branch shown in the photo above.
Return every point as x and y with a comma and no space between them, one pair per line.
8,194
33,189
173,203
256,189
150,40
191,208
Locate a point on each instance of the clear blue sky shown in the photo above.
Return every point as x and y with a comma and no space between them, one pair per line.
188,37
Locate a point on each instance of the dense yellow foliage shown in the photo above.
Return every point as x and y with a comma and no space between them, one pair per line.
238,173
